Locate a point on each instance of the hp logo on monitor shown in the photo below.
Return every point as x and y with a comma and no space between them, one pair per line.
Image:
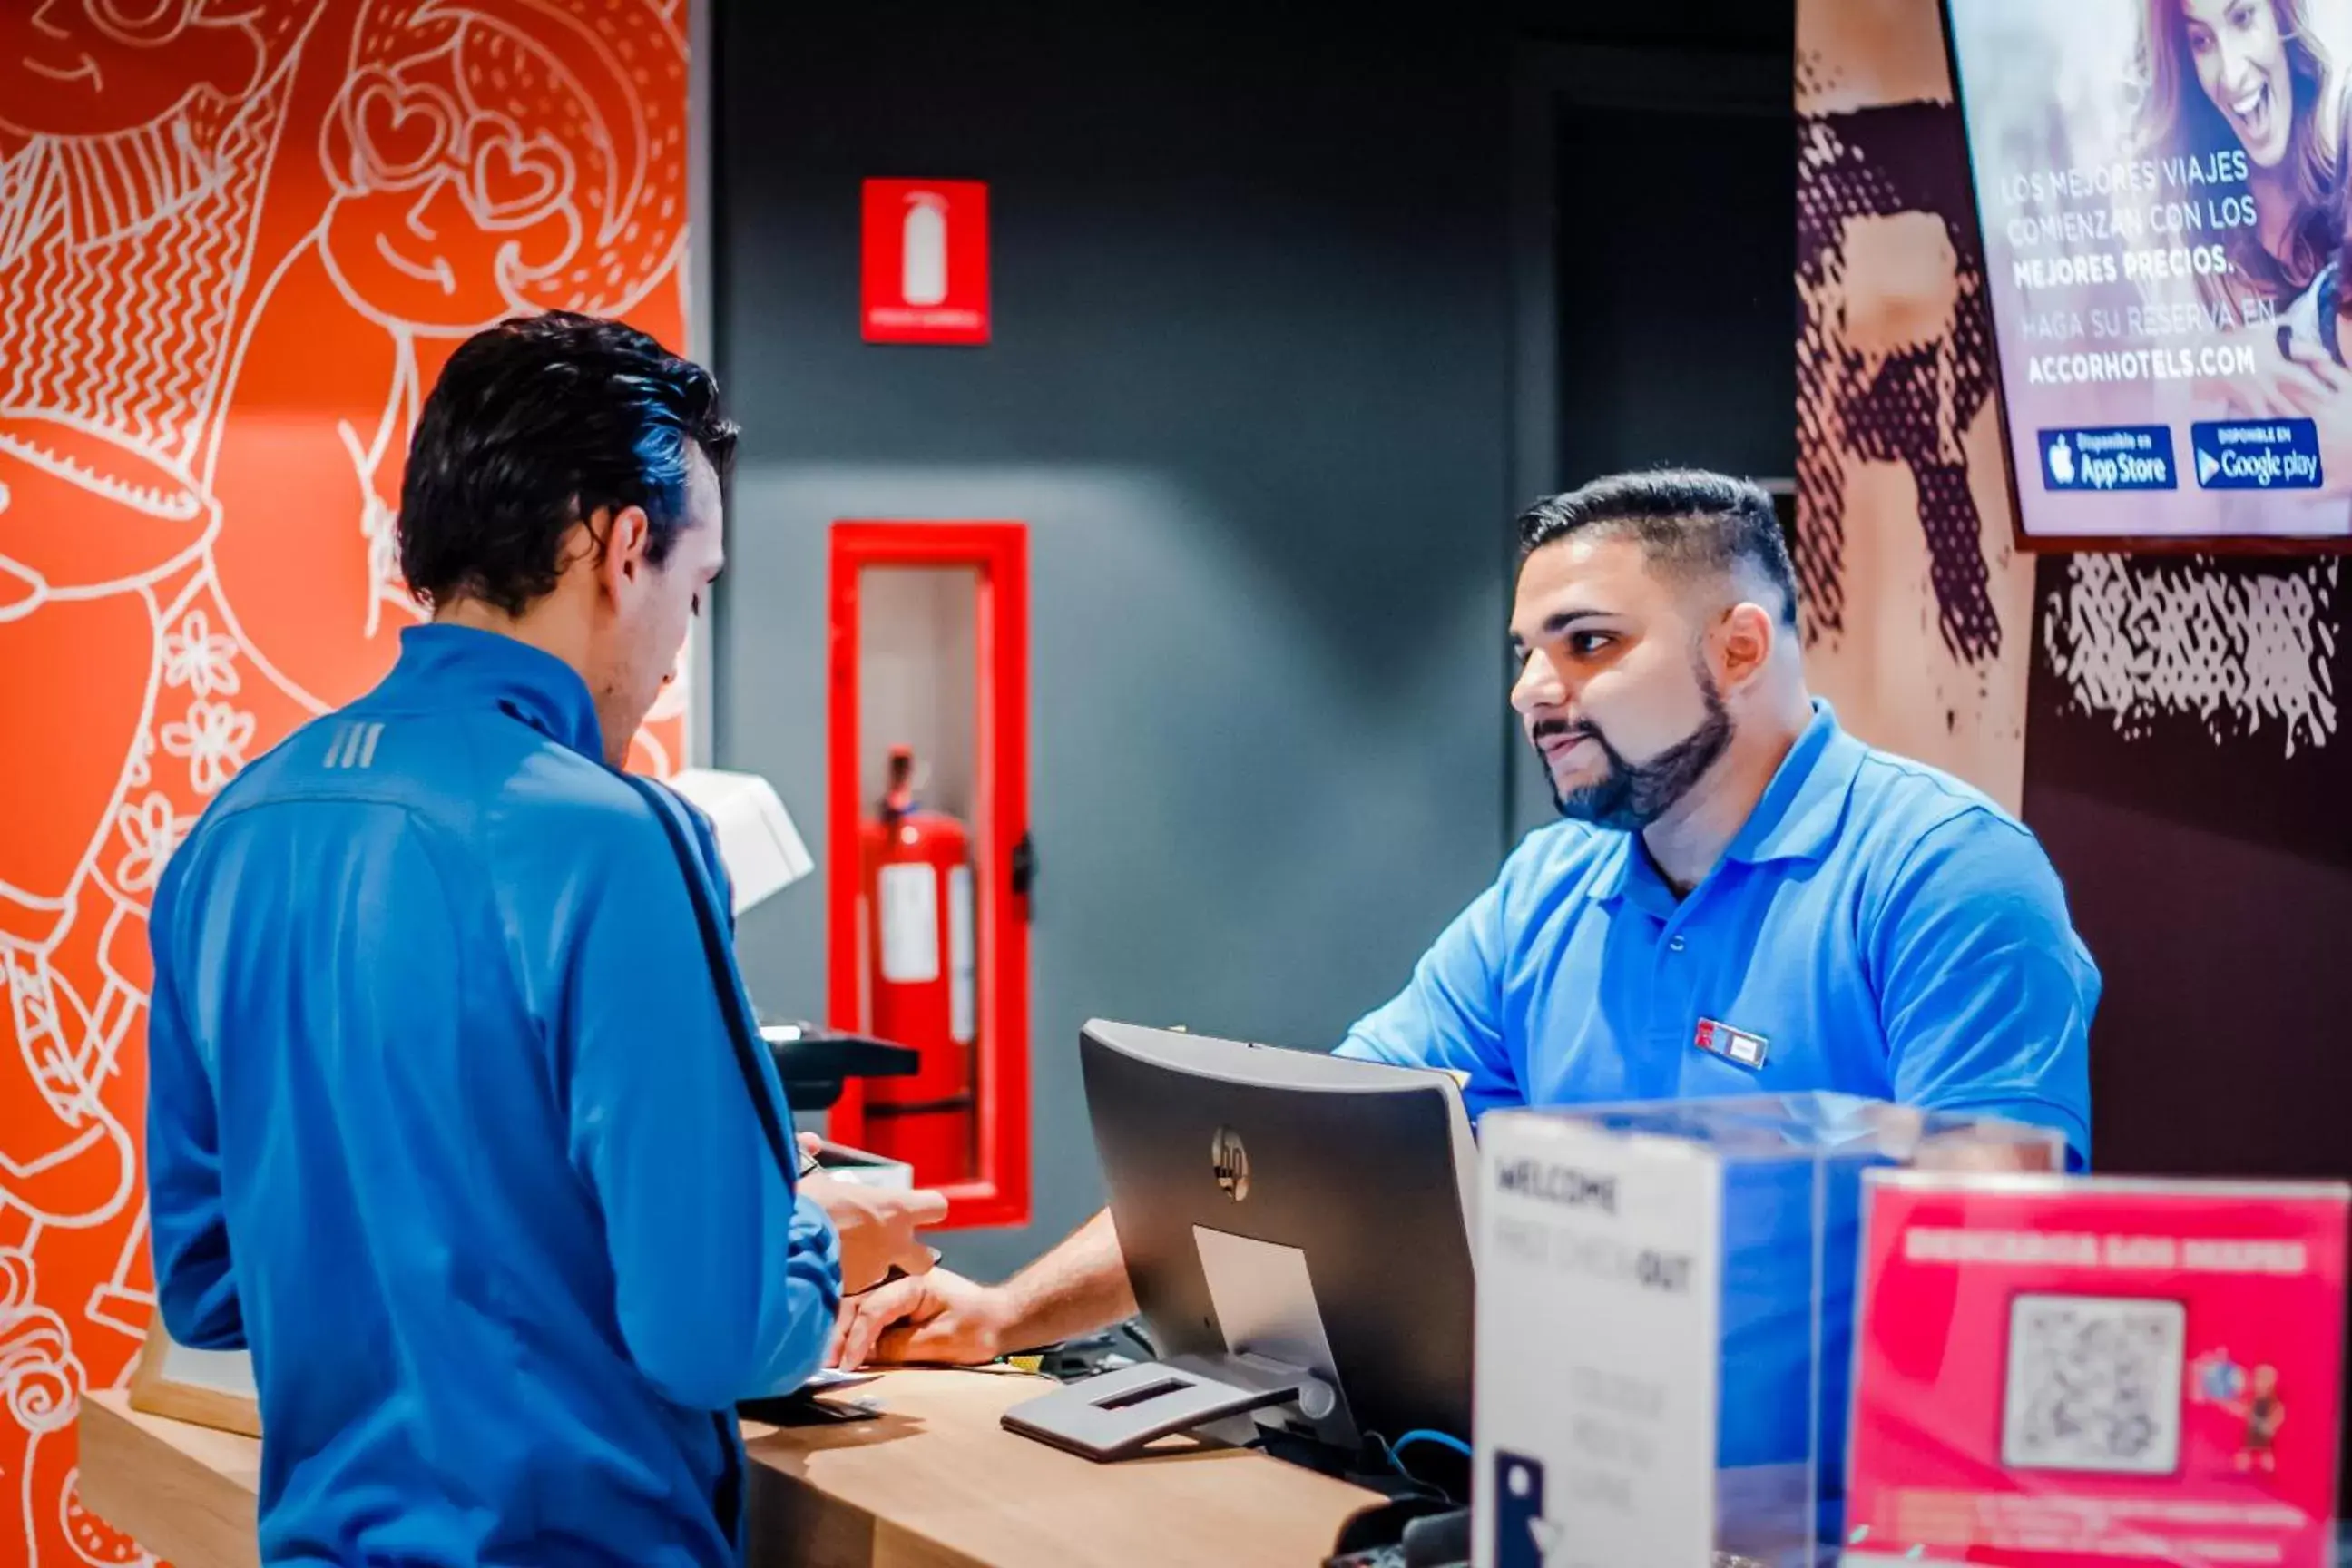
1231,1162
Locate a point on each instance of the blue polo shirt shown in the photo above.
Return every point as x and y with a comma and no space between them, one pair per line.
1877,928
1880,926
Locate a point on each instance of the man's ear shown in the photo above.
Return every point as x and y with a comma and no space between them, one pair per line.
626,535
1744,642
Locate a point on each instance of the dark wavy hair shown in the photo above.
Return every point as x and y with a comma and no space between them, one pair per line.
1689,523
537,425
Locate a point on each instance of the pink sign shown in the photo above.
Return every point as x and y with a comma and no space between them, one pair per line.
2097,1372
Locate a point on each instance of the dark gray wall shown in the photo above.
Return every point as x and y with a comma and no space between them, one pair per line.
1249,389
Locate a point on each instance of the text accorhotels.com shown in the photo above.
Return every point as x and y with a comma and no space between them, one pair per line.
2140,365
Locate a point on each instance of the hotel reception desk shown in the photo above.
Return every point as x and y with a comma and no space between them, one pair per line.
932,1482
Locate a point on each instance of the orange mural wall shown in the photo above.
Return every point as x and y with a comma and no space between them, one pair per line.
238,239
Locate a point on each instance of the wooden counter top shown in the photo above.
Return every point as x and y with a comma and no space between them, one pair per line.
933,1482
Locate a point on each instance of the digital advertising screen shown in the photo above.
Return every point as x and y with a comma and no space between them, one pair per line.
2160,189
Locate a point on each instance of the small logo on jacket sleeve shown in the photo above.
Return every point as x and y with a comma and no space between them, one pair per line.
353,745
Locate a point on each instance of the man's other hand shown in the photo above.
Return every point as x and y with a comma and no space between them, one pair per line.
876,1226
939,1316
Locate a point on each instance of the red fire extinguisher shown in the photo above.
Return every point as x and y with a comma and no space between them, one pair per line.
920,965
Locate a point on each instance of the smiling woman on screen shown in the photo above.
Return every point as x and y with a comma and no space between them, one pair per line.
2253,78
2225,77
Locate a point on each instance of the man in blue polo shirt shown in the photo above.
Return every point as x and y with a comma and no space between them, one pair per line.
1742,897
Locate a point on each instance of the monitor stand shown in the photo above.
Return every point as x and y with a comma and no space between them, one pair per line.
1277,1360
1118,1415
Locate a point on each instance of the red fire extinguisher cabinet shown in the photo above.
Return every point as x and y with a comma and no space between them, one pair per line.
953,1103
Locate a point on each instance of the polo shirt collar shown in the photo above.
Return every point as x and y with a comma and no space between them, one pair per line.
1797,817
442,666
1630,874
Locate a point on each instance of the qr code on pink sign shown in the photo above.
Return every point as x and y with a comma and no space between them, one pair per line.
2093,1383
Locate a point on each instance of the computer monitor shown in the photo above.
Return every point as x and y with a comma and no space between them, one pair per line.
1296,1229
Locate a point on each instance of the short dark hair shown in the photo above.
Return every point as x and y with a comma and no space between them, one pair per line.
1689,521
536,424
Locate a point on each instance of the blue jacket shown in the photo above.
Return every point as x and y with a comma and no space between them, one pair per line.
446,1123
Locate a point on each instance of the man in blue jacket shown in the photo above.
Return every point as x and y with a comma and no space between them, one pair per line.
455,1119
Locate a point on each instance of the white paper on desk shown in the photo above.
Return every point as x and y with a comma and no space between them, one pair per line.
826,1379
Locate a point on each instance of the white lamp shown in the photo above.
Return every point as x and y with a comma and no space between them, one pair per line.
762,848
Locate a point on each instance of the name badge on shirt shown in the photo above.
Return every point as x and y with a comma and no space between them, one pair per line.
1732,1045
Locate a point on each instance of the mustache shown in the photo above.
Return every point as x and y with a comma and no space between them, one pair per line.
1546,728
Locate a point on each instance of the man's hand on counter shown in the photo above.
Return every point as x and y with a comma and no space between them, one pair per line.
876,1226
1077,1287
935,1316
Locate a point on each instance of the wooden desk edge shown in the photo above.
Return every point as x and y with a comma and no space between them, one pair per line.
186,1494
161,1492
842,1499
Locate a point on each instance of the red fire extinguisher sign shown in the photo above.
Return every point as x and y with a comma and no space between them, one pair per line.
925,269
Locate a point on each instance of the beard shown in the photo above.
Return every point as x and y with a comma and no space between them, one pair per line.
1628,796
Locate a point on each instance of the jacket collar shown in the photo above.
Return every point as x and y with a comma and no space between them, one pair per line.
442,666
